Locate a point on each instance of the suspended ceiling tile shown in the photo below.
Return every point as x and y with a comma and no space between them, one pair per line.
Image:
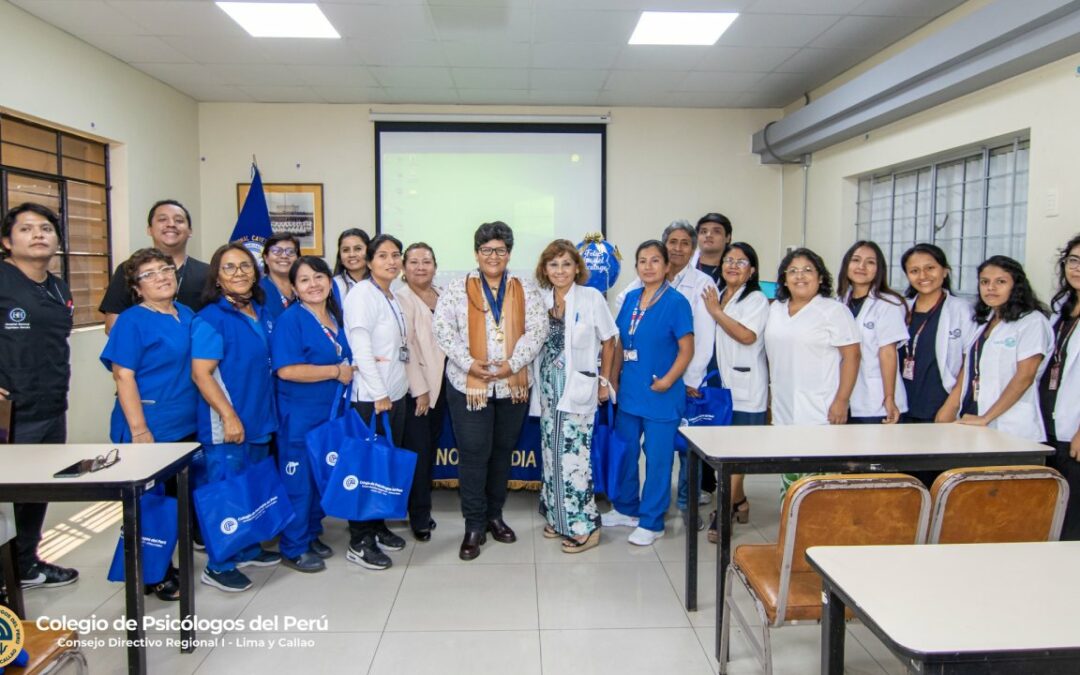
421,95
492,53
781,30
720,82
660,57
351,77
137,48
753,59
413,78
567,79
570,55
578,25
398,53
377,22
282,94
180,18
490,78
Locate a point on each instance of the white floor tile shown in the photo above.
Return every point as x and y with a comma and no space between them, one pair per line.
706,611
466,597
458,653
607,595
613,548
796,650
882,654
160,660
77,600
641,651
284,652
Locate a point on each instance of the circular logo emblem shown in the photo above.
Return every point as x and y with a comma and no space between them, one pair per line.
17,315
350,482
331,458
229,525
869,325
1010,342
11,635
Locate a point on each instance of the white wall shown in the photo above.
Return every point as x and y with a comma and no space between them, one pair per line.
51,76
662,164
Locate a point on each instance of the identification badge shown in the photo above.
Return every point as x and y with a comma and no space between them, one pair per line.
403,354
629,355
1055,376
909,368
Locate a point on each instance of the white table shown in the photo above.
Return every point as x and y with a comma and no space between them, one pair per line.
956,608
844,448
27,476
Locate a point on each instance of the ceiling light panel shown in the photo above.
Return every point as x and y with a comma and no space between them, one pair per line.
280,20
681,28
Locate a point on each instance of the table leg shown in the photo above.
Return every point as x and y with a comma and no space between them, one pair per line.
723,545
187,560
692,471
832,634
133,586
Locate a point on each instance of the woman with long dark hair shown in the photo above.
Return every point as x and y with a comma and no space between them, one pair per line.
1059,387
350,268
881,317
996,385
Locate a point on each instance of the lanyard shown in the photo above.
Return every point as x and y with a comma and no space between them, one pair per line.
976,354
399,315
495,303
913,342
639,312
1062,341
326,331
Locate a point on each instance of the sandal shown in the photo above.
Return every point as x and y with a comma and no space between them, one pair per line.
572,545
168,589
711,535
550,533
740,515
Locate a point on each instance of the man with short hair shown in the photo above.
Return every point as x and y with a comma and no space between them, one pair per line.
169,226
35,362
714,234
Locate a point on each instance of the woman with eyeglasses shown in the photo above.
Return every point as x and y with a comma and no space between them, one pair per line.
881,317
996,384
1059,386
310,355
740,311
491,325
279,253
351,265
149,356
230,363
379,338
813,347
939,327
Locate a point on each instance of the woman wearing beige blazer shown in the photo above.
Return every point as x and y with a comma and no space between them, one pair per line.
424,406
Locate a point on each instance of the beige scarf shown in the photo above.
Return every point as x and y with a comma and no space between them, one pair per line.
513,327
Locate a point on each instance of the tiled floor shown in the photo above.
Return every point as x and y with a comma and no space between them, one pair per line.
524,608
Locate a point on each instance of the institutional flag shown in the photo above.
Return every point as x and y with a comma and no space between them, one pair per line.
253,225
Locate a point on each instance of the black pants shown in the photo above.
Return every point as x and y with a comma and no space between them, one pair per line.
1070,469
30,518
422,437
358,529
485,440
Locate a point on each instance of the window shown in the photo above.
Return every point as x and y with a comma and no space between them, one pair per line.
973,206
70,175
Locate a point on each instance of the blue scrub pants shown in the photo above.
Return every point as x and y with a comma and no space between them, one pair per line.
221,462
659,447
294,465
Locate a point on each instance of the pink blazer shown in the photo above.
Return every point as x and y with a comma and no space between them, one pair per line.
426,360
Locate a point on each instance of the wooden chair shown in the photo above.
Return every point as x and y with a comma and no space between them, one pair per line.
47,655
825,510
997,504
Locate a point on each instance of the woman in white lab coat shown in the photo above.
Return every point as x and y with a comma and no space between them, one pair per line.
996,385
939,326
881,317
813,347
740,311
1059,386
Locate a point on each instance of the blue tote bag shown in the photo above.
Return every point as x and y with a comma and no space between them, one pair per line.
611,456
324,441
242,510
371,478
713,409
159,532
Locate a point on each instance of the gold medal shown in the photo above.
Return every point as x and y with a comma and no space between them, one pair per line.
499,335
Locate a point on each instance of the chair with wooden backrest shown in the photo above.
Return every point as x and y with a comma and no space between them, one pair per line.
51,651
996,504
824,510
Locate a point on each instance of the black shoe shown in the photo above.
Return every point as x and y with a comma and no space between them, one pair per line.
320,549
168,589
46,575
264,559
388,540
500,531
470,545
423,533
230,581
367,554
308,561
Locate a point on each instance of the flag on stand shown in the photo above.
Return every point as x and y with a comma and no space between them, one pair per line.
253,225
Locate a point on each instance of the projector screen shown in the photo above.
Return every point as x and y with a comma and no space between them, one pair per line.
437,182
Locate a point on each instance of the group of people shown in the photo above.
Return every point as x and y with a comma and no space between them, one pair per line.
247,362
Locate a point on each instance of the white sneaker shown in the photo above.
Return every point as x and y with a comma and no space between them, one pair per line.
704,498
643,537
615,519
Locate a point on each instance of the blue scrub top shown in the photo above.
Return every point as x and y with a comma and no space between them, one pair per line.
241,345
299,338
657,343
276,304
158,348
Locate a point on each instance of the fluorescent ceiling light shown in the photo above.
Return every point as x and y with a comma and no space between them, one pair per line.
280,20
681,28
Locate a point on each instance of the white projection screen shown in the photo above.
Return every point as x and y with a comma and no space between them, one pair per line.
437,182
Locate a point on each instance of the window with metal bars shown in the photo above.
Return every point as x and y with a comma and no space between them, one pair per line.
973,206
70,175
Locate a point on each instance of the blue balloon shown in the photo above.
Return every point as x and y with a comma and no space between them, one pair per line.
602,259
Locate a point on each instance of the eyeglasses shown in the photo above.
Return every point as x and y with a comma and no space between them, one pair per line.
500,252
159,273
232,269
105,461
283,251
796,271
741,263
1073,262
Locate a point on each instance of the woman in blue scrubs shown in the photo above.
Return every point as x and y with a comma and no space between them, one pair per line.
149,356
279,253
230,363
656,328
310,355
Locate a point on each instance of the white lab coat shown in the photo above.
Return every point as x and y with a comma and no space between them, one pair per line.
881,322
1010,343
1067,406
956,326
691,283
804,358
744,368
588,323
